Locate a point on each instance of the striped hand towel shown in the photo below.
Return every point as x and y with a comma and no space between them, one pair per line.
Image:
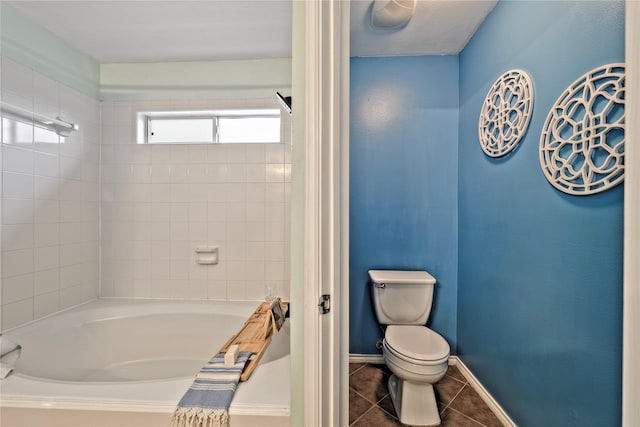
206,403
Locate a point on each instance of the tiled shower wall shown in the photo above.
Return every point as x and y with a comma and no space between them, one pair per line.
50,199
161,201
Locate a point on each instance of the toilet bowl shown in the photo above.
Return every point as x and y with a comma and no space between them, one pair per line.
418,358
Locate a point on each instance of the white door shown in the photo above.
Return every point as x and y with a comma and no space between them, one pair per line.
320,169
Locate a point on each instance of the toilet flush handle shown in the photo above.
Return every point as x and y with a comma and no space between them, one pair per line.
380,285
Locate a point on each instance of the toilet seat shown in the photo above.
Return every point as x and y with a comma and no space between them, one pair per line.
416,344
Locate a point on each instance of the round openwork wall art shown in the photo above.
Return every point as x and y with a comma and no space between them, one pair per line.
582,141
505,113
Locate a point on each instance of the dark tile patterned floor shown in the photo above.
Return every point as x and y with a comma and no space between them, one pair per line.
370,404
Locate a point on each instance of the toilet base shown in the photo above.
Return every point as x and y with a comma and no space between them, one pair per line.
414,403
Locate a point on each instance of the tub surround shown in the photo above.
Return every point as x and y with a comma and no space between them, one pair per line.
161,201
50,199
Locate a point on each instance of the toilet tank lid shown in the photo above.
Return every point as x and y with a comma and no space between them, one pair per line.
401,277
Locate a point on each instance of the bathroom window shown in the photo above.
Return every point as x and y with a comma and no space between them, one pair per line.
209,127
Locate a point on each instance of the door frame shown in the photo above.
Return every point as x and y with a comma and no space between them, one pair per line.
320,224
631,298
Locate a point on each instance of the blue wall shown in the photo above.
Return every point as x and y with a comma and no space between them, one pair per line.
404,158
540,272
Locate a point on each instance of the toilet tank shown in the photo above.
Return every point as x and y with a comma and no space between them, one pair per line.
402,297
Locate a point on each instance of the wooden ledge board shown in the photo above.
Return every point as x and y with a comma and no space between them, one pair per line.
254,337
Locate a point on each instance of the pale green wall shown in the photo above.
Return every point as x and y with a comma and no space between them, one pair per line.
258,78
33,46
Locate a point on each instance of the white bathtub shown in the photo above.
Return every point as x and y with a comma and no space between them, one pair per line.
127,358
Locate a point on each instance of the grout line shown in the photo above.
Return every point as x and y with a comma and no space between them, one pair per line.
359,394
468,417
382,398
363,365
363,414
395,417
463,413
454,398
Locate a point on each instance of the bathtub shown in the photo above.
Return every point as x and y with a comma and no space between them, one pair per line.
128,362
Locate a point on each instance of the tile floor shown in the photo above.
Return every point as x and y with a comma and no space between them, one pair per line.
370,404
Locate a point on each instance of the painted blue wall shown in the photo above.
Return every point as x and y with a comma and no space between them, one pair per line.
540,272
403,196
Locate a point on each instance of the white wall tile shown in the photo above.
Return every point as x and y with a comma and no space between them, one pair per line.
236,290
17,185
70,232
17,288
236,154
46,258
70,211
46,304
216,290
275,231
46,188
255,290
16,237
46,141
46,234
16,263
256,173
70,168
70,276
197,154
17,313
255,231
274,172
46,97
216,153
255,192
255,153
255,251
46,281
71,296
46,164
70,254
17,211
274,153
198,174
160,212
17,159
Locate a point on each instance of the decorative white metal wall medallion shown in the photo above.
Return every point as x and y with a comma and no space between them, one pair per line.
505,113
582,141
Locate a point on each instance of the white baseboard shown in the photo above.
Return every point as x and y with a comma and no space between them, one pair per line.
376,359
484,394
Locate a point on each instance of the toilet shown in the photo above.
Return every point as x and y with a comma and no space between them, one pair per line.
416,355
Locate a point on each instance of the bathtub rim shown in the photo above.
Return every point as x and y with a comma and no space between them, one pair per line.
16,397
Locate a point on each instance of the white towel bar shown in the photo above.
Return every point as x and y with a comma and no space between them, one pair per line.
60,126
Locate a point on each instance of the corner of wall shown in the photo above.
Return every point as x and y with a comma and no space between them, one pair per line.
33,46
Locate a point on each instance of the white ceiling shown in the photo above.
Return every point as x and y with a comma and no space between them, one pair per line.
436,28
153,31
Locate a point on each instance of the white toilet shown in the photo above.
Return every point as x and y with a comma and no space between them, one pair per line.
415,354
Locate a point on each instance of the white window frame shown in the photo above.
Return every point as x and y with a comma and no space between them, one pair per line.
144,117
